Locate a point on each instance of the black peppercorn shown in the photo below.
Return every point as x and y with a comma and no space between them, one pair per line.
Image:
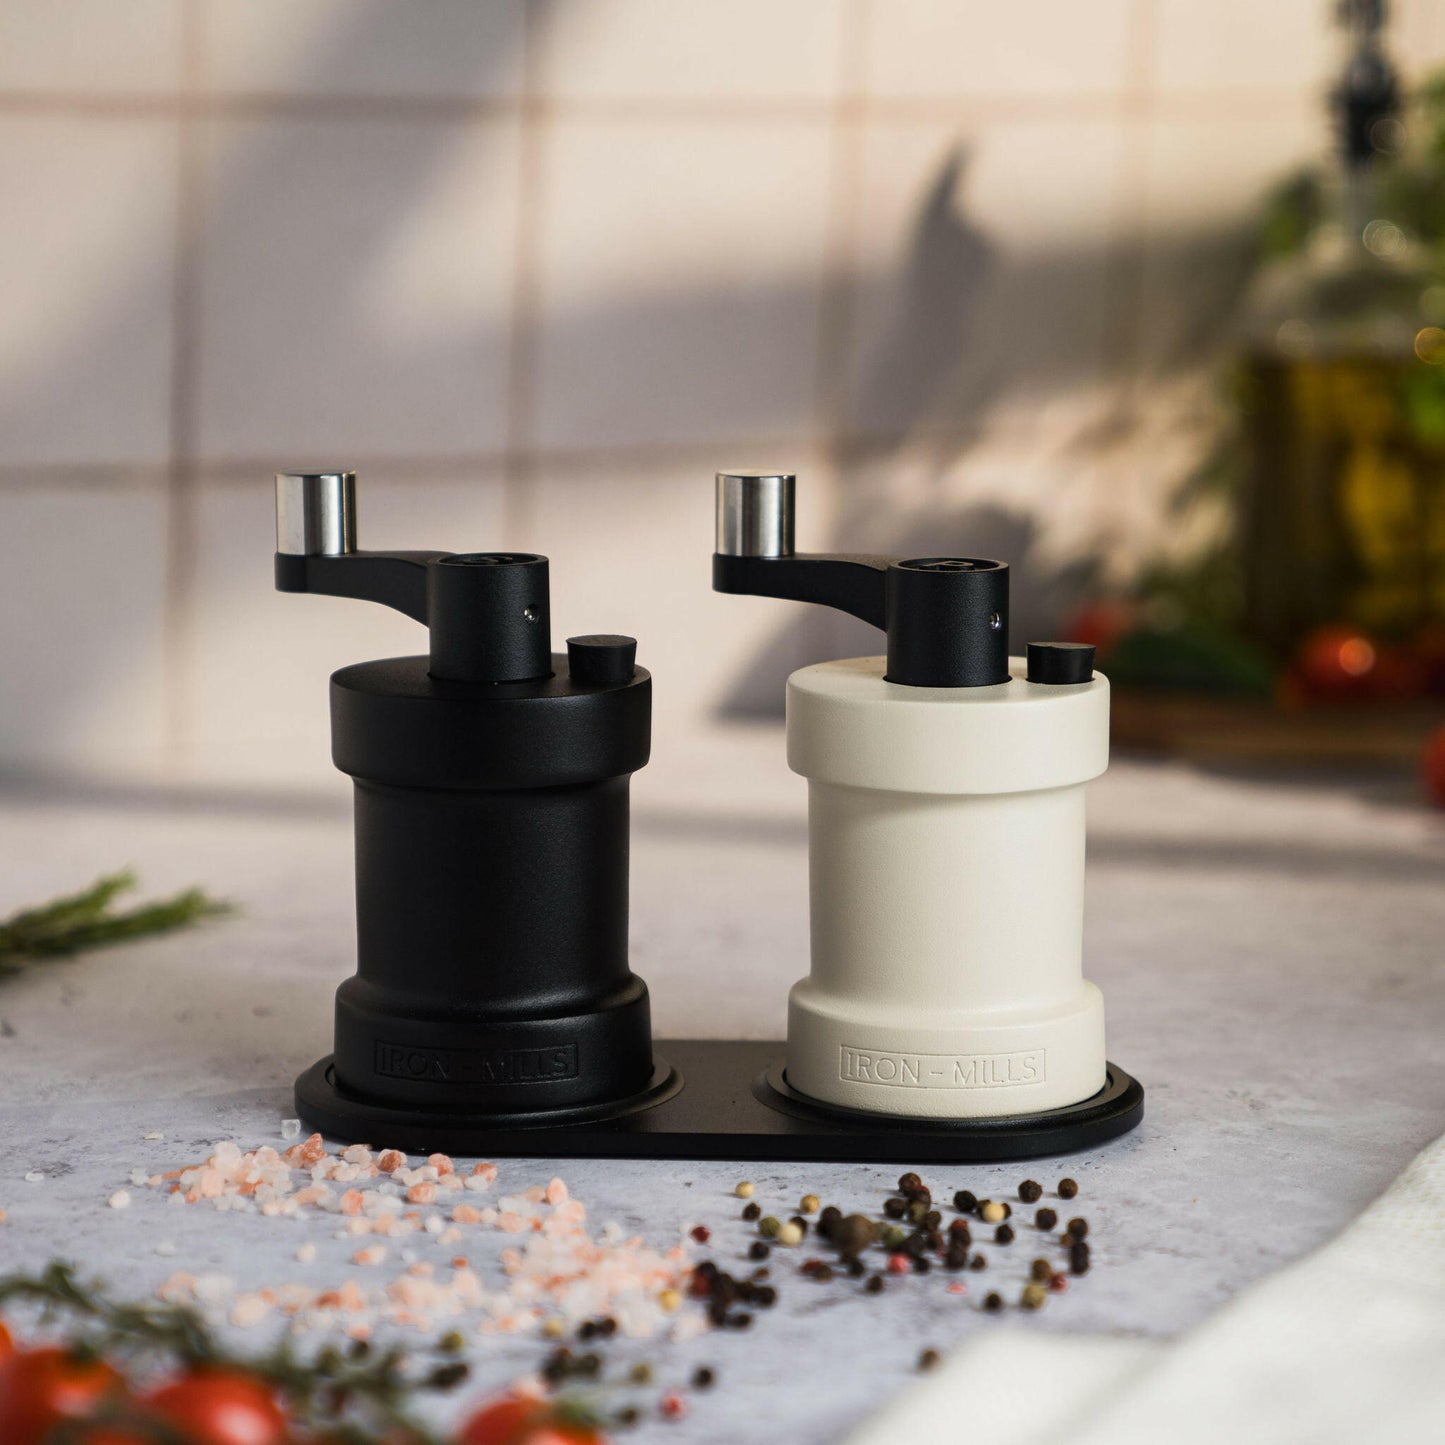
703,1378
1067,1188
1030,1191
875,1284
628,1416
978,1262
1004,1234
928,1359
1078,1228
758,1250
856,1268
752,1211
922,1264
932,1219
1079,1258
739,1321
1041,1270
965,1201
766,1296
1046,1219
993,1303
909,1183
894,1207
958,1229
800,1222
957,1256
828,1220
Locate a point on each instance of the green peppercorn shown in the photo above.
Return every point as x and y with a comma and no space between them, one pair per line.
894,1235
640,1373
768,1226
1033,1296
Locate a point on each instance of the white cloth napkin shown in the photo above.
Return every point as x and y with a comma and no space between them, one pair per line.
1348,1345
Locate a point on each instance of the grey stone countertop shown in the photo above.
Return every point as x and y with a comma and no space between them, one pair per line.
1271,951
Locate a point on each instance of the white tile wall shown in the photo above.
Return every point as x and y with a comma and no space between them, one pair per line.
83,46
942,50
356,286
82,598
85,326
539,266
432,48
692,50
681,282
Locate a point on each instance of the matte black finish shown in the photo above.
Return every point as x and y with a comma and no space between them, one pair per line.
491,816
946,617
603,659
735,1104
1061,664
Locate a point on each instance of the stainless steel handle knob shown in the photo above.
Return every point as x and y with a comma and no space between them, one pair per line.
315,513
755,514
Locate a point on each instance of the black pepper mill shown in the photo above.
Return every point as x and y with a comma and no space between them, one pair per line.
491,812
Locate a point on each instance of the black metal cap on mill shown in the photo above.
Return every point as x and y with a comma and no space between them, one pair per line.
491,813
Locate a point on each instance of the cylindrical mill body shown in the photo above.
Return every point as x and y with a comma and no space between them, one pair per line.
946,856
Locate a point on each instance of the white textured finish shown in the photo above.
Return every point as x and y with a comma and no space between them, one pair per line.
946,878
1270,955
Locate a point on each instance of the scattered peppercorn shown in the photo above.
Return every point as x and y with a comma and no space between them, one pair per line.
809,1203
1067,1188
1079,1258
929,1359
1078,1229
628,1416
744,1189
932,1219
893,1236
1004,1234
1058,1283
909,1183
991,1212
965,1201
875,1284
856,1268
640,1373
993,1303
898,1264
1046,1219
673,1407
922,1264
758,1250
701,1233
1031,1191
1033,1296
823,1273
739,1321
752,1212
828,1221
703,1378
790,1234
800,1222
957,1255
768,1227
1042,1271
854,1233
978,1262
894,1207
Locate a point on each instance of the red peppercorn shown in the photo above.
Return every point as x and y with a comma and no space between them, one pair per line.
701,1233
899,1264
673,1407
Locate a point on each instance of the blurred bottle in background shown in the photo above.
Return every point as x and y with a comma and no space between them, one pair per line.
1341,510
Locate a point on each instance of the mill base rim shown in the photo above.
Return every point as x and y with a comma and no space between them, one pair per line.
715,1100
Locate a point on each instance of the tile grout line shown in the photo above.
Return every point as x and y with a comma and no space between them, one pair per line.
179,619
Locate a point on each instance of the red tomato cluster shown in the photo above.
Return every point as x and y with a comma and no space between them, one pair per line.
48,1387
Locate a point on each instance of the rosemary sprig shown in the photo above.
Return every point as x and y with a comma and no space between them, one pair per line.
358,1396
84,920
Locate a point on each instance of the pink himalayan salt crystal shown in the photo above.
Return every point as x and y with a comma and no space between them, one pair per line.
442,1163
466,1214
422,1193
373,1254
556,1192
484,1171
390,1160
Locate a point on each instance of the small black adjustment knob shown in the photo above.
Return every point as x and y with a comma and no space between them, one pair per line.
1061,664
603,659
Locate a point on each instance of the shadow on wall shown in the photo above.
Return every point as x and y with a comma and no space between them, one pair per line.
957,346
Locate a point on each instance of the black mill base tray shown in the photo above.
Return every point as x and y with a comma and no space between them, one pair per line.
725,1099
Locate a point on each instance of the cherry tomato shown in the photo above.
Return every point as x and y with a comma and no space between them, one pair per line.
220,1407
1337,662
521,1420
1434,762
41,1388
